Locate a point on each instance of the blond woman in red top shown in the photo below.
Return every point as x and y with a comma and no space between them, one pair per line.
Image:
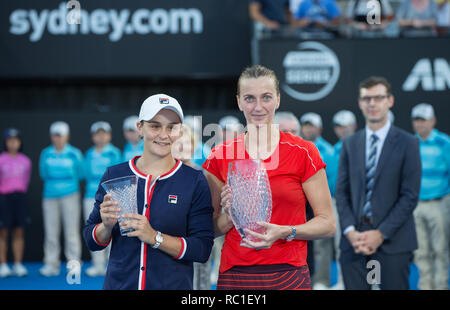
296,174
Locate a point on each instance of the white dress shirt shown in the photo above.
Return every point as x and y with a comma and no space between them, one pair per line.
381,135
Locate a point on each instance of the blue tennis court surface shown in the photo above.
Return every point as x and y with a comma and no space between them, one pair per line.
34,281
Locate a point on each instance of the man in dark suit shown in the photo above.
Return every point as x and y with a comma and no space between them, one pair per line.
376,193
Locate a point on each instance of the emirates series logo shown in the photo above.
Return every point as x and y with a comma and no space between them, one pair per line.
311,72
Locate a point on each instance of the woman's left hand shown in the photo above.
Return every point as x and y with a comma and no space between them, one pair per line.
272,233
141,226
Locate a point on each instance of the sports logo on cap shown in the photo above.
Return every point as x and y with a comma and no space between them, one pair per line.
164,100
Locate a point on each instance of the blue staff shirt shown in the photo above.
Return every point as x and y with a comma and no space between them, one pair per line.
95,164
333,168
130,150
61,171
326,153
435,156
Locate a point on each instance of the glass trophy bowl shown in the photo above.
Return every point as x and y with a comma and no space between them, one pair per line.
251,196
124,191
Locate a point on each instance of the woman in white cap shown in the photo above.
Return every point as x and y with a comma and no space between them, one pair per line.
61,169
173,227
99,157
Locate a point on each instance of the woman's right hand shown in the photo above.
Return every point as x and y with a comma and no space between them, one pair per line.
225,203
109,212
225,199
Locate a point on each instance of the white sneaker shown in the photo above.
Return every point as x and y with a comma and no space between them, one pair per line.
49,271
96,271
320,287
4,271
19,270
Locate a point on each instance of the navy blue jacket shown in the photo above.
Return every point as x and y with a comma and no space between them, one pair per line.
395,189
186,214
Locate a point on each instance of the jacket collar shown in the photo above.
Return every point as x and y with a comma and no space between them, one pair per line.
140,174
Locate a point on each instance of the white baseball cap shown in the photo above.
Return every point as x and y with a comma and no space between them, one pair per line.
130,123
423,110
59,128
312,118
344,118
153,104
100,125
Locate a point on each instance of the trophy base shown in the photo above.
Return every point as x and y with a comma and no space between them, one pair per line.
124,232
258,229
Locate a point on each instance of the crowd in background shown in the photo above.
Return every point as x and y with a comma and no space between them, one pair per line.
62,167
352,18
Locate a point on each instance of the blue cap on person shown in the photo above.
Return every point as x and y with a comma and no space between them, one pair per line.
11,132
153,104
59,128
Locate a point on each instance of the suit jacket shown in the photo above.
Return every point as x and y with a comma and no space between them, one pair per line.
395,191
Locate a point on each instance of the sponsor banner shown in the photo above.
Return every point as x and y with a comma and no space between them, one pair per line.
123,38
311,72
323,76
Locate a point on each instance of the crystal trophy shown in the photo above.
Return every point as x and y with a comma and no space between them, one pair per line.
251,196
124,191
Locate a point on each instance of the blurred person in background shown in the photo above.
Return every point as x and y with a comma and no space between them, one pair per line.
201,150
433,209
134,145
317,15
443,18
288,122
231,127
269,17
15,173
417,17
272,14
365,24
311,129
61,169
99,157
391,117
183,148
344,125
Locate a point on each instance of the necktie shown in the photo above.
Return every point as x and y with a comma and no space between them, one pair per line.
370,172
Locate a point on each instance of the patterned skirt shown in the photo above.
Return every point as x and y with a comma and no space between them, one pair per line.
265,277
